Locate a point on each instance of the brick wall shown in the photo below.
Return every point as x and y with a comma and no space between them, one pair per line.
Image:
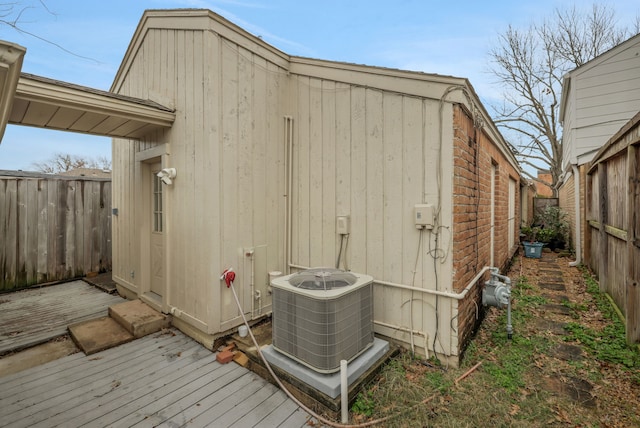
566,196
474,155
567,202
543,190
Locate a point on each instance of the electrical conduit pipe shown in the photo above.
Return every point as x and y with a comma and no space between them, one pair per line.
451,295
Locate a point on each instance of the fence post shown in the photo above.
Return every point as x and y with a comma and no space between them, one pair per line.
632,311
602,213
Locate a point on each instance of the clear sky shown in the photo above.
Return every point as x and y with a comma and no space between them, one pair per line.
432,36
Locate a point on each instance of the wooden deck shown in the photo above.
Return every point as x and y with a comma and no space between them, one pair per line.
34,316
164,379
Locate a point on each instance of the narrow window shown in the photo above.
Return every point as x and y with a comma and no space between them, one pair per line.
512,213
157,203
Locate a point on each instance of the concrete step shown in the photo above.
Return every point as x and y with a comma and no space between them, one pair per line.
126,321
138,318
98,334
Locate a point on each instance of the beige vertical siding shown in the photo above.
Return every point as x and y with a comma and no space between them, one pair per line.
227,147
368,143
359,152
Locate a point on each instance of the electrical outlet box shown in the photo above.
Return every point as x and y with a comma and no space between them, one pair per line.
343,225
423,216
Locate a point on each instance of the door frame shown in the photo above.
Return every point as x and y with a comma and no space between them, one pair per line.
144,163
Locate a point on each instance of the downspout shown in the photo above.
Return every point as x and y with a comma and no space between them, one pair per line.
578,235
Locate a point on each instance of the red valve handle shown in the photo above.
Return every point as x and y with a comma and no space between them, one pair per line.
229,276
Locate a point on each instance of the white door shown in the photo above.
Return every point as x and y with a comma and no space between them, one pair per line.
156,250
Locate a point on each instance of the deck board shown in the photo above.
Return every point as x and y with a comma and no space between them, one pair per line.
164,379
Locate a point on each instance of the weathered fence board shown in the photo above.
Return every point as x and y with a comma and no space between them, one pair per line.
540,204
613,203
52,228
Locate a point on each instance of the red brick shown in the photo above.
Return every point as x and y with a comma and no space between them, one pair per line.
224,356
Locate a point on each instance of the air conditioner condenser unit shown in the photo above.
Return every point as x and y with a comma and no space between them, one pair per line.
322,316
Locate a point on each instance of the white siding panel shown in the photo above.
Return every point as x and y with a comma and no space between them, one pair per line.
412,167
302,166
392,193
316,200
202,278
178,198
260,147
229,165
328,162
613,89
273,136
211,197
358,240
244,169
343,151
374,182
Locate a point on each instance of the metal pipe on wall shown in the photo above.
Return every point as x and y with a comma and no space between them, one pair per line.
457,296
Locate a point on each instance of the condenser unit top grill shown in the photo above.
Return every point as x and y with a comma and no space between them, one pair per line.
322,279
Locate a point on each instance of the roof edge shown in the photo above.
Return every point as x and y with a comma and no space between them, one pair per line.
11,57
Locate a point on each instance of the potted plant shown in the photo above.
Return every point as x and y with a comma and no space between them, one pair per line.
554,228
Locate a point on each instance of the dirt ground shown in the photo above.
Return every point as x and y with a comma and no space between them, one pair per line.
18,361
567,364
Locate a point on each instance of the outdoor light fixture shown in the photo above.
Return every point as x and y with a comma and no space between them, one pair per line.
167,175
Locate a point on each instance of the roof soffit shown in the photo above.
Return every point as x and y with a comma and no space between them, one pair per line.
52,104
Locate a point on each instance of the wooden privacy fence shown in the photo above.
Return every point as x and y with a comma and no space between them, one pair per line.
52,228
612,238
541,204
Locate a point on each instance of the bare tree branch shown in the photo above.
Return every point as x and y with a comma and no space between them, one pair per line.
60,162
11,15
530,65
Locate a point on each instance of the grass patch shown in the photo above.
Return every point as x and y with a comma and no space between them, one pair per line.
609,344
526,296
510,388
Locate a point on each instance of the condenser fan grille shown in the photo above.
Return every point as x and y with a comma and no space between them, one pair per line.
322,279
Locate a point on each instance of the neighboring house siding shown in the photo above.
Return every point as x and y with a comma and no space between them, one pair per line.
602,96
